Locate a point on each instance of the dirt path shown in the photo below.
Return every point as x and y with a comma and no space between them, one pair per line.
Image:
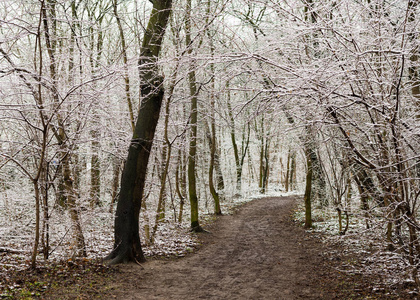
255,254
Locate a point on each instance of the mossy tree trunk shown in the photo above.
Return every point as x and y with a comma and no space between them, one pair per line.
127,247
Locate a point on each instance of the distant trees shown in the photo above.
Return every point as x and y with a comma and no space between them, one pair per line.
354,72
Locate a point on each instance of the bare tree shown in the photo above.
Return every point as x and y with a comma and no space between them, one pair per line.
127,247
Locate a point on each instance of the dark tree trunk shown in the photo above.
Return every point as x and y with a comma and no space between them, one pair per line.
308,188
286,181
292,179
127,247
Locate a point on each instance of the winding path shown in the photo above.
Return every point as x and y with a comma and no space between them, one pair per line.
254,254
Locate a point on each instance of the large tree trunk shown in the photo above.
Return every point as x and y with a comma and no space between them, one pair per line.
127,247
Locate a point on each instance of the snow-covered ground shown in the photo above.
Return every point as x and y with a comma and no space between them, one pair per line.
366,249
17,226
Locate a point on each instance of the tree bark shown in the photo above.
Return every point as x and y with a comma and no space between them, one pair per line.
192,187
180,185
308,188
116,165
292,180
127,247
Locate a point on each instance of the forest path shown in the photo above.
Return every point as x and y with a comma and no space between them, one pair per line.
257,253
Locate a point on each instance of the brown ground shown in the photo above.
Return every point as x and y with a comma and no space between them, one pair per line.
257,253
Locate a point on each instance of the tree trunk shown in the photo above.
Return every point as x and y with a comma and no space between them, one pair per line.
95,171
148,236
45,236
192,187
79,240
262,172
234,144
308,188
413,70
219,175
116,165
37,213
266,166
217,209
364,200
292,179
179,186
286,180
127,247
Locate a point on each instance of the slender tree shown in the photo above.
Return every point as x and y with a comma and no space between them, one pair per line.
192,184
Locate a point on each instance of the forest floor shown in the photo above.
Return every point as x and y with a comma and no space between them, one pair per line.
259,252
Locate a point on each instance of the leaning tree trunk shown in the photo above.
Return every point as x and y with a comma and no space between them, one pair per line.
127,247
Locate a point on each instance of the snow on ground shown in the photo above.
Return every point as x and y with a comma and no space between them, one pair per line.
175,239
17,226
365,248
